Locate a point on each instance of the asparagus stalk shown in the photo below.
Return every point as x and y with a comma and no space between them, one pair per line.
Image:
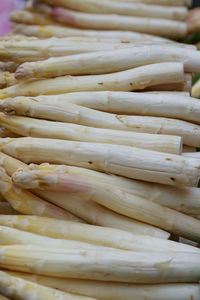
118,291
27,203
112,265
6,133
7,79
47,31
73,113
10,236
18,288
89,211
127,161
113,198
162,27
41,128
105,62
192,154
170,105
125,8
168,196
129,80
6,209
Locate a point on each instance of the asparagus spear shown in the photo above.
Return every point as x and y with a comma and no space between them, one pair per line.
125,8
27,203
113,198
170,105
47,31
28,17
10,236
88,117
162,27
122,160
168,196
18,288
129,80
6,133
118,291
108,61
89,211
112,265
41,128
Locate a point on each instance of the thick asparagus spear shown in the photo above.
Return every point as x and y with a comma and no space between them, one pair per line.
113,198
73,113
27,203
89,211
125,8
11,236
47,31
112,265
66,131
162,27
170,105
18,288
108,61
118,291
129,80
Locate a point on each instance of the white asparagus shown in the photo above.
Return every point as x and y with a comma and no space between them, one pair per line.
123,8
170,105
117,265
89,211
186,200
160,2
66,131
28,17
72,113
108,61
113,198
129,80
192,154
18,288
6,209
160,27
122,160
11,236
47,31
118,291
6,133
27,203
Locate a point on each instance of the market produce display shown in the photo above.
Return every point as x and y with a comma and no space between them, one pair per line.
99,169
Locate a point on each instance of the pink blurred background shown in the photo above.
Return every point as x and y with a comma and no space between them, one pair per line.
6,7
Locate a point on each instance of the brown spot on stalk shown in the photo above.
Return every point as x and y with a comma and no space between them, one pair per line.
100,83
168,159
137,127
90,162
173,179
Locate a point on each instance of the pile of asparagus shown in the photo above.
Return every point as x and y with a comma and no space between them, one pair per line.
98,161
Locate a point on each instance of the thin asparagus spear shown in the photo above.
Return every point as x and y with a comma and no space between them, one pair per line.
122,160
7,79
41,128
113,198
27,203
168,196
130,9
18,288
162,27
6,209
129,80
87,210
108,61
118,291
112,265
47,31
77,114
10,236
170,105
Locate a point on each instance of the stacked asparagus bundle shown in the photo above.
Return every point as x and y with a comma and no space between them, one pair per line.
98,162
